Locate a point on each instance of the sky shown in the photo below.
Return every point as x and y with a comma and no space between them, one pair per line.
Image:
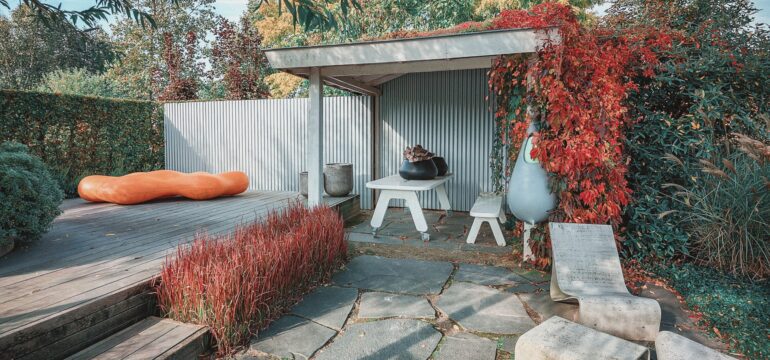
232,9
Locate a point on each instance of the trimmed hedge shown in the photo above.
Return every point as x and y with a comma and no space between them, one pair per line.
29,196
78,136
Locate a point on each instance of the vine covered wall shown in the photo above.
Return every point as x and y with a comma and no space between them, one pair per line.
576,90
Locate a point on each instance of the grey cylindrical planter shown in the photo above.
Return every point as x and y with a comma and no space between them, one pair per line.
303,183
338,179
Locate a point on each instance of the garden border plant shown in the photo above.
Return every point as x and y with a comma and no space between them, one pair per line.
238,282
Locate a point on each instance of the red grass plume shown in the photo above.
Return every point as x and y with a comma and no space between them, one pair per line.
238,282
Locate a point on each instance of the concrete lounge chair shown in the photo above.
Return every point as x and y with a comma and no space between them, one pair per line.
586,268
670,346
560,339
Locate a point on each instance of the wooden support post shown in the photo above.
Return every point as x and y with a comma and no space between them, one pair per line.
315,140
528,254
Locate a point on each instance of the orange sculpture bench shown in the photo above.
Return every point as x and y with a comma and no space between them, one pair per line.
141,187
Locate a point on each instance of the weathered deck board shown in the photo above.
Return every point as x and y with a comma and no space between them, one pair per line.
151,338
81,281
141,247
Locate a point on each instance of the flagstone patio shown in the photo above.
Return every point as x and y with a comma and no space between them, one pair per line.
447,232
385,308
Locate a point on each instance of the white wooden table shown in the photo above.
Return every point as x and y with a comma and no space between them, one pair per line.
396,187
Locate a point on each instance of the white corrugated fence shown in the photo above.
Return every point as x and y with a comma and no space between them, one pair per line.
266,139
444,111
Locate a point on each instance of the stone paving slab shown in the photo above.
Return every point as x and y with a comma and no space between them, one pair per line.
464,346
447,232
382,305
292,337
402,276
487,275
546,308
484,309
529,288
536,276
384,339
328,306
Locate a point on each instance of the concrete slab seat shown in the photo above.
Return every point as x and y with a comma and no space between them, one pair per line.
560,339
586,268
487,208
670,346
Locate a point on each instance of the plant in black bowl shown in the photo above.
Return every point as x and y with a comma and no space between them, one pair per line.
441,165
418,164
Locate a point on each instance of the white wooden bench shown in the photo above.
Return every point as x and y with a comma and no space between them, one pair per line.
487,208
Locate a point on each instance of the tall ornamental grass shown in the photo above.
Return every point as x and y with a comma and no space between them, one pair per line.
237,283
726,209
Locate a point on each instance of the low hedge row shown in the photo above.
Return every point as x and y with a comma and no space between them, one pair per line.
79,135
238,282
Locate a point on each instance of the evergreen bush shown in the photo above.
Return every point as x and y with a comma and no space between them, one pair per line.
78,136
29,196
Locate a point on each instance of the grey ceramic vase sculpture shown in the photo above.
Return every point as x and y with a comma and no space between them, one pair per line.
529,197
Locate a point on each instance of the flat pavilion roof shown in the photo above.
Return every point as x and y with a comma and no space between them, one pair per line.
361,67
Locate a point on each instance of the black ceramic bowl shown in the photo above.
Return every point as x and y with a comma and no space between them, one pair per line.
419,170
441,165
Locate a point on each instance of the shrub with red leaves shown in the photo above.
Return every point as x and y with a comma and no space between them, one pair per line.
237,283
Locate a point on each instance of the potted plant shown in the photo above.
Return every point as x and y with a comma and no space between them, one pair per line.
418,164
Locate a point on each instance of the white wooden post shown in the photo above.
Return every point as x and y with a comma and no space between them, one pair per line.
315,140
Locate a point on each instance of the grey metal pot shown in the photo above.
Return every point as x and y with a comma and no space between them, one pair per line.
338,179
303,183
529,197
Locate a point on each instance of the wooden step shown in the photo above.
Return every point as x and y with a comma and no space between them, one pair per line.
62,333
151,338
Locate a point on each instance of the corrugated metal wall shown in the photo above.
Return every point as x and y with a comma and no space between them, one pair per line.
266,139
447,113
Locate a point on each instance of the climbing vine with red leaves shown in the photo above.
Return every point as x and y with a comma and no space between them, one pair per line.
575,89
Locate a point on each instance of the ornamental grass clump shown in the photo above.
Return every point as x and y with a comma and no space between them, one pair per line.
726,209
237,283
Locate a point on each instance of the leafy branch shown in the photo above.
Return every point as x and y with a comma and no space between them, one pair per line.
53,14
314,14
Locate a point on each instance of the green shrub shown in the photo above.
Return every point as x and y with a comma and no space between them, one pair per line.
726,209
735,306
29,196
78,136
713,82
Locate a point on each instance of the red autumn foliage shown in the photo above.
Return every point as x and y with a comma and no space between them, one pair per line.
179,86
237,57
237,283
578,87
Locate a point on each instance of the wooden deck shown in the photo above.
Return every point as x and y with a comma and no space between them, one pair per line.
96,259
